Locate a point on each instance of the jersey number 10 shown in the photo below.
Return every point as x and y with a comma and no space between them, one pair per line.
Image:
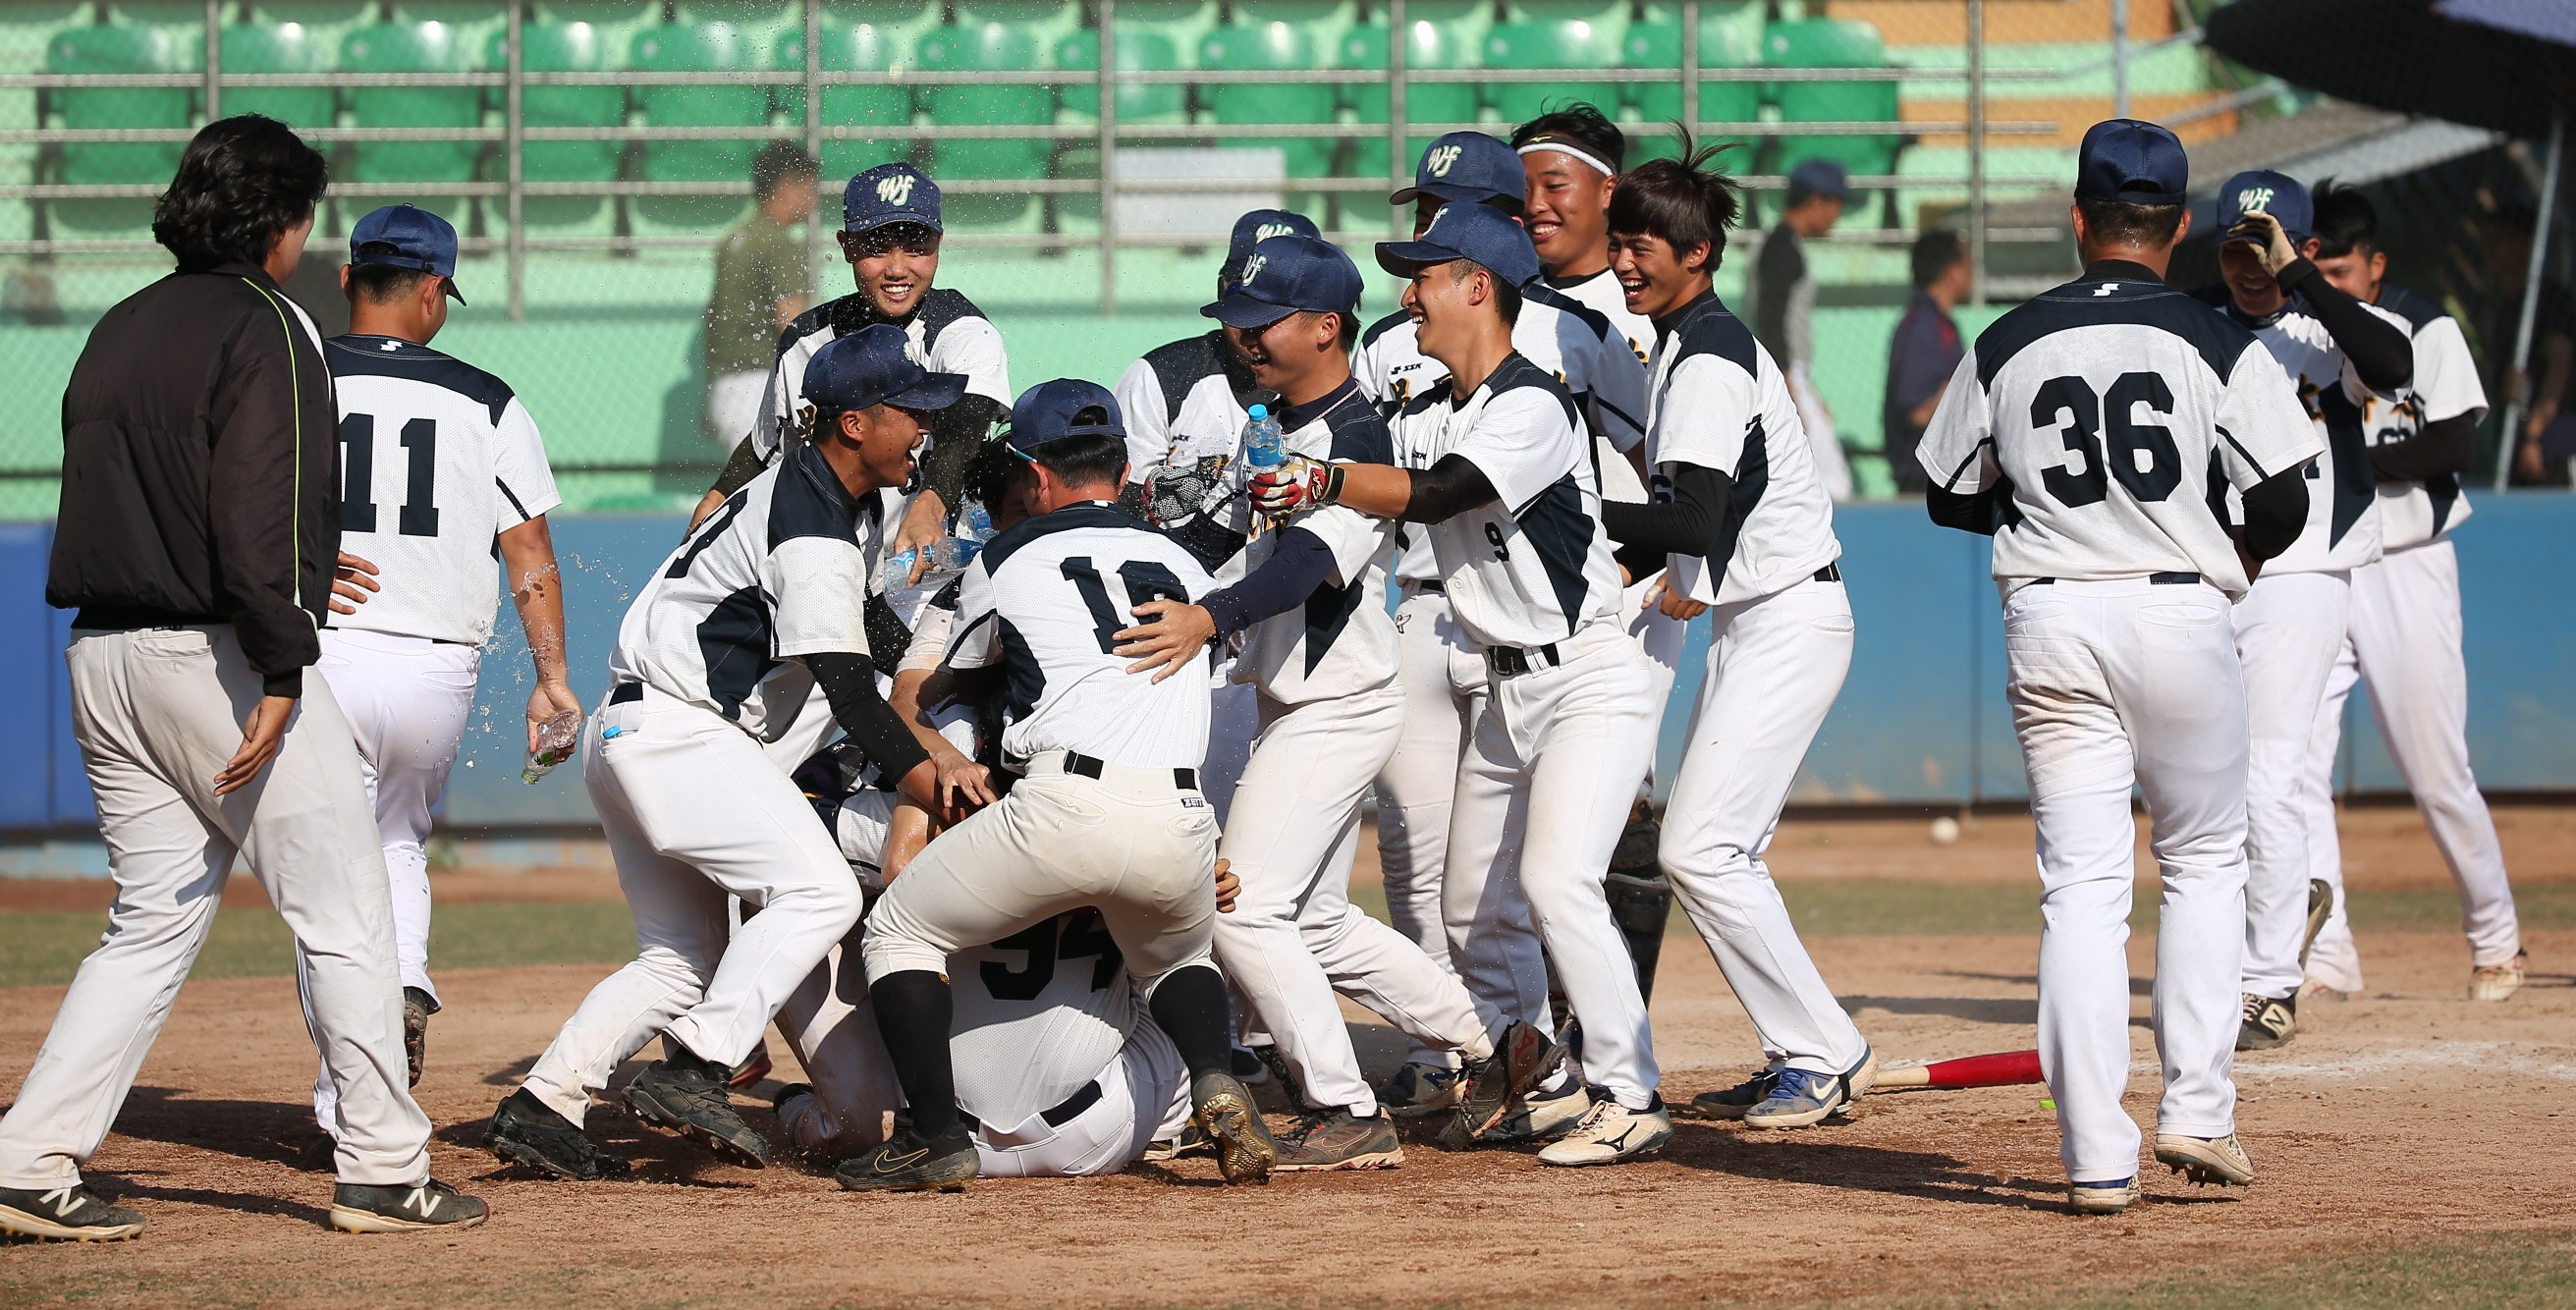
419,517
2112,417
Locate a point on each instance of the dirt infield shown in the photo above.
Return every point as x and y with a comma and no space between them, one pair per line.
2405,1117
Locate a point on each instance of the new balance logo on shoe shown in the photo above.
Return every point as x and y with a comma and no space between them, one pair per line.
63,1200
422,1201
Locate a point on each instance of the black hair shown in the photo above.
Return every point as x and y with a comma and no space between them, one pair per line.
1584,125
2512,216
242,181
990,474
2346,223
1934,252
1685,201
1091,457
379,284
2128,223
777,162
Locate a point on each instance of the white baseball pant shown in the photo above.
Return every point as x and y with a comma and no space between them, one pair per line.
694,811
2114,684
158,713
1131,842
2405,647
2289,629
1543,795
1775,664
1294,938
1234,719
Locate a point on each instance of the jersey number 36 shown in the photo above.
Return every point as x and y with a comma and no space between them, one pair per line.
2141,455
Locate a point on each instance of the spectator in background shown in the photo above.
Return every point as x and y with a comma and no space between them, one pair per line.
2540,451
1784,304
762,277
1924,353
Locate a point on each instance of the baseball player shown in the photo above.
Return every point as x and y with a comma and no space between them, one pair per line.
1320,647
1740,527
1107,813
1494,461
716,656
2094,432
1443,677
443,469
2338,352
2405,631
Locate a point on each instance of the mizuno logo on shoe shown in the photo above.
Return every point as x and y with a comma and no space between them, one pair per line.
1620,1142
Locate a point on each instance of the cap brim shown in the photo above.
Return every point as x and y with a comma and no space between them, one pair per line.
933,392
453,291
1447,192
1246,312
1406,258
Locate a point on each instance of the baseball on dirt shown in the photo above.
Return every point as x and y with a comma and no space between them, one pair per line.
1945,830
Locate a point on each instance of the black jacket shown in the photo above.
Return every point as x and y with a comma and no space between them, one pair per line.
201,470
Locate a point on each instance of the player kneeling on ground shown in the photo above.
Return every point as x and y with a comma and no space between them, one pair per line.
1108,813
716,656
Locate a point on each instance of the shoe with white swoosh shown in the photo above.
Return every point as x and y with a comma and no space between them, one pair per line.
403,1208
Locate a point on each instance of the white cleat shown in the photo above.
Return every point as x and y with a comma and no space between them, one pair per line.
1611,1133
2102,1198
2220,1160
2497,982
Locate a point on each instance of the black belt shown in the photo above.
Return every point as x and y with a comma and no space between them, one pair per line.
1083,1098
626,693
1433,585
1090,767
1512,661
2158,579
1830,573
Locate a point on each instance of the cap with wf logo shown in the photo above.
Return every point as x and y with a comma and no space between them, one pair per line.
890,193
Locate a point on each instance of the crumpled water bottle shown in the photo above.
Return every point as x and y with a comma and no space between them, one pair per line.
557,738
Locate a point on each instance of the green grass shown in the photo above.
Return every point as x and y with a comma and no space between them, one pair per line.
2525,1271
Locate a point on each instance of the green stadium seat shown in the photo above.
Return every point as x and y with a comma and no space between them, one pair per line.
552,47
1832,43
1184,23
1271,47
179,15
703,48
1432,45
117,49
1140,50
279,48
990,47
1723,43
26,29
413,47
1545,44
1044,22
850,47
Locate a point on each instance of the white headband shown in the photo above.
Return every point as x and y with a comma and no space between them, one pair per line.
1578,152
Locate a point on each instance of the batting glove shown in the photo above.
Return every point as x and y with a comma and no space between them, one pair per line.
1298,482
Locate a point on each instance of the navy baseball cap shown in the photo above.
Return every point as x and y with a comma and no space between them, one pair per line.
1468,166
405,237
890,193
1260,225
2263,191
1487,236
1822,177
869,367
2124,159
1045,413
1287,274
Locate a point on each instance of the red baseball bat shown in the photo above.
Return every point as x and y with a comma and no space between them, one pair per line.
2001,1069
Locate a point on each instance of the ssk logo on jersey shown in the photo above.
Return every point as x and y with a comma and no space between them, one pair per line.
895,189
1438,161
1252,268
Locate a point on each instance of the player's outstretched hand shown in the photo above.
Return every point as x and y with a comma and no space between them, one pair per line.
1279,491
924,527
1227,885
1167,637
2271,244
262,732
1674,604
351,583
964,785
547,701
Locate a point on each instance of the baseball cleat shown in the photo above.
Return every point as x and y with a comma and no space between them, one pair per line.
907,1163
1543,1118
1337,1139
1486,1088
71,1213
1611,1133
756,1066
2269,1022
1418,1089
2497,982
366,1208
1732,1102
1800,1098
528,1133
2102,1198
417,1007
1223,1109
2320,907
687,1096
2205,1160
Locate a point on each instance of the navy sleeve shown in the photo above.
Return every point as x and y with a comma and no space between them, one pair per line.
1299,564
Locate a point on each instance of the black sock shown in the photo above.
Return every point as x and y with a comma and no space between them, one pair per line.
677,1054
1190,1006
914,1010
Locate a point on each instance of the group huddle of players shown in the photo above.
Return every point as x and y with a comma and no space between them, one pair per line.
1102,787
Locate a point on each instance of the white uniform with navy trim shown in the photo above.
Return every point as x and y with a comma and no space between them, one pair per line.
2102,423
948,334
1780,645
2404,642
438,459
1544,789
710,664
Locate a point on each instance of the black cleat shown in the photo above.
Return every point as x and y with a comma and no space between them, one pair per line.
687,1095
417,1007
65,1214
365,1208
907,1163
1487,1088
527,1132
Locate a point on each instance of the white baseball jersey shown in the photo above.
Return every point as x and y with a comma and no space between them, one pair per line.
1186,404
775,573
1342,640
2343,496
1601,294
2446,386
2109,417
1533,566
946,335
1718,401
437,459
1045,600
1038,1015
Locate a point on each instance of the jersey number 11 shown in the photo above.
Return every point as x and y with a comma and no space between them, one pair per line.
419,517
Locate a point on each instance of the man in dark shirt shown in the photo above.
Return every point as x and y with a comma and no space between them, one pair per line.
1924,353
1784,305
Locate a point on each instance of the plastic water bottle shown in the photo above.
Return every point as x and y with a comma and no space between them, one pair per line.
1262,447
556,739
895,575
